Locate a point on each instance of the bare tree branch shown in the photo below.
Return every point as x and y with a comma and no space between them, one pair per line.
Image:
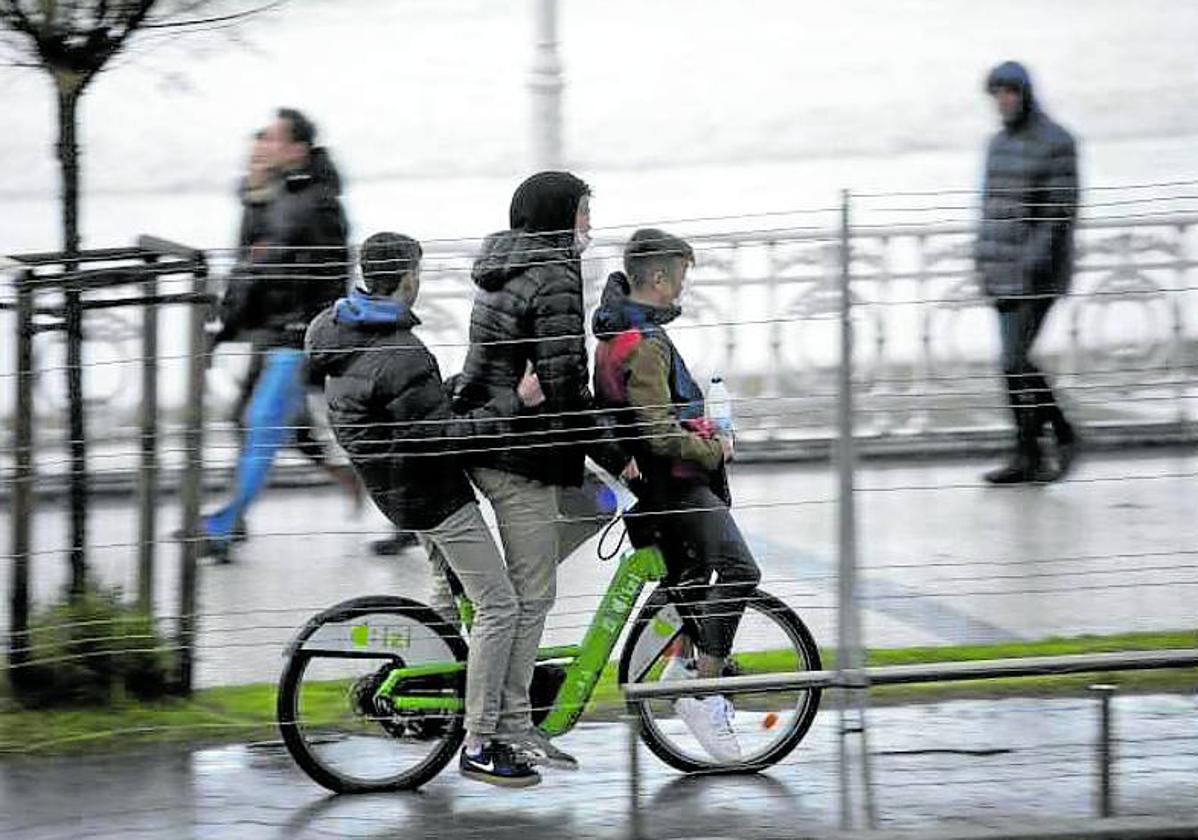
135,20
219,19
15,18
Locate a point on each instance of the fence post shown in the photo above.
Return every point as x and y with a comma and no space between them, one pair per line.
147,485
1106,799
22,485
77,431
193,440
846,537
849,659
1177,350
635,828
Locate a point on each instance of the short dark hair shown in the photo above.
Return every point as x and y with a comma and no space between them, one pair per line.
650,249
385,258
303,130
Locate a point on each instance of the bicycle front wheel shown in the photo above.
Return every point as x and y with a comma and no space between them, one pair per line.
770,639
340,728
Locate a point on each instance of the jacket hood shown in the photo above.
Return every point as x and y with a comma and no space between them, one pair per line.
617,313
547,203
511,252
320,171
1012,74
337,335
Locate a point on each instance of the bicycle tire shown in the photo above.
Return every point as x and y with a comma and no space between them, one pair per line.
288,696
805,646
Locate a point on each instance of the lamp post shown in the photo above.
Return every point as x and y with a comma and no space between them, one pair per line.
546,85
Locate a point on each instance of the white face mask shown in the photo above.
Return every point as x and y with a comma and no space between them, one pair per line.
582,241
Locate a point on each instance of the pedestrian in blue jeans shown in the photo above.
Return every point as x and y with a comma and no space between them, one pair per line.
295,267
270,418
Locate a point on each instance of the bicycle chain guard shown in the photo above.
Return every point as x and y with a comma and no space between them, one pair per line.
399,723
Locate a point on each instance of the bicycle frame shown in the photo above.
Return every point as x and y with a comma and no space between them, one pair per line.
586,660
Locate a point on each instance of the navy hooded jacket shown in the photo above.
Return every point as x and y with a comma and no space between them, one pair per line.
391,413
1029,201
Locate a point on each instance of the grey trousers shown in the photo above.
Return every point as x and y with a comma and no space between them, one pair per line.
463,542
539,525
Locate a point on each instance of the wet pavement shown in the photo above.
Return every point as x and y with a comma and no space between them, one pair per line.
944,558
959,763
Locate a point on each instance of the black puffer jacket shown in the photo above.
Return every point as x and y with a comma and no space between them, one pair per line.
255,207
298,264
1029,202
529,309
390,412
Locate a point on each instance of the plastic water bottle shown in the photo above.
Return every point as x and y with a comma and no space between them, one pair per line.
719,407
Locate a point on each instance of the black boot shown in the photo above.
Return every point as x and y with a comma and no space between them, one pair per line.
1048,414
1066,441
1066,455
1027,465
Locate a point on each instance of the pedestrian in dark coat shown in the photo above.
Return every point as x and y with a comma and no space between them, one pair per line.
295,268
1025,259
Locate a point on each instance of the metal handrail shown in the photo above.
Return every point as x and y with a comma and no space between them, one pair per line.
986,669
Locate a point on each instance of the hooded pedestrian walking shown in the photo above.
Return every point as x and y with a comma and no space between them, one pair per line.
1025,258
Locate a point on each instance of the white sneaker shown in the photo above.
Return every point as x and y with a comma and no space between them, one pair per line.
676,670
710,721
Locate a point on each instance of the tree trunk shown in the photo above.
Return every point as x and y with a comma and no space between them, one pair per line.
69,89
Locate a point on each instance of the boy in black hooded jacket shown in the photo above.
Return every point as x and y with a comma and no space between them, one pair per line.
390,412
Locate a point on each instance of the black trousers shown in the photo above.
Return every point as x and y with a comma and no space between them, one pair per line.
695,531
1029,393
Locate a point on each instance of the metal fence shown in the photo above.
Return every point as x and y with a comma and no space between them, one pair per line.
762,309
851,331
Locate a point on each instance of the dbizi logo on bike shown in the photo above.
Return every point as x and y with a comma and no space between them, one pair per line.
391,636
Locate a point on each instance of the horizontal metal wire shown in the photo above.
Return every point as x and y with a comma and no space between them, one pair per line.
560,621
1147,373
563,437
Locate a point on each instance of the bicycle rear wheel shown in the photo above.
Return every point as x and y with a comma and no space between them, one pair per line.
337,727
770,639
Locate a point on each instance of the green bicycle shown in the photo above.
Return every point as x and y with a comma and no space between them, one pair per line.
372,693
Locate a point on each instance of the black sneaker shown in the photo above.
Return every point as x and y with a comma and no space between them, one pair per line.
220,550
240,532
391,546
1019,472
498,764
